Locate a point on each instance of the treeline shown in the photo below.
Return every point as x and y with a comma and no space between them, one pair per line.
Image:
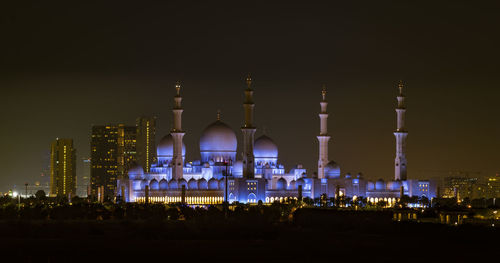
133,211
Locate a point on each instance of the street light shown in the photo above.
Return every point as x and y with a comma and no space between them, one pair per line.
226,205
15,194
227,163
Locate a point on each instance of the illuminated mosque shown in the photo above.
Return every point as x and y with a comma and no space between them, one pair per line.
257,175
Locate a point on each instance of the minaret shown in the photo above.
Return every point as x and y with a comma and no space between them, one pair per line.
177,135
400,133
323,136
248,132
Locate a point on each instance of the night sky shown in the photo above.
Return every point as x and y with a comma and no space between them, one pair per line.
65,66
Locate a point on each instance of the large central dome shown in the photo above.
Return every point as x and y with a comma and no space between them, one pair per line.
218,141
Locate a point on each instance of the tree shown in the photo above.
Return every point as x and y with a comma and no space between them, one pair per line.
381,203
308,201
424,201
40,195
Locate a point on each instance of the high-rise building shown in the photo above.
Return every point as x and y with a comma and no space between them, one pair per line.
493,186
113,149
62,168
84,180
146,147
127,148
459,187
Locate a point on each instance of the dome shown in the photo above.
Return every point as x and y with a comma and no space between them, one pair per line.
332,170
218,137
153,185
238,169
213,184
163,184
135,172
281,184
182,182
264,147
202,184
166,147
379,185
173,184
394,185
370,186
192,184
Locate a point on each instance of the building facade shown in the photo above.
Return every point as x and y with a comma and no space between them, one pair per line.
256,174
83,180
113,151
146,142
62,168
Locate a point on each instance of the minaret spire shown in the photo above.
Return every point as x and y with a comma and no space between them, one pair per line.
249,81
323,136
323,92
400,134
218,115
248,131
177,135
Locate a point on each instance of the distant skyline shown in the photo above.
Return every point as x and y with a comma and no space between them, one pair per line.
66,67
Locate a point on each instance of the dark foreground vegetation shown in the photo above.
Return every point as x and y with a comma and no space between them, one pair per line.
88,232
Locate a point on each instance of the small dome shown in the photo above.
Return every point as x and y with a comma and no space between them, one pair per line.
238,169
281,184
394,185
213,184
370,186
153,185
163,184
172,184
332,170
202,184
166,147
192,184
218,137
379,185
135,172
264,147
182,182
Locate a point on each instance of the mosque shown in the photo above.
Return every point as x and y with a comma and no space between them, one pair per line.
256,175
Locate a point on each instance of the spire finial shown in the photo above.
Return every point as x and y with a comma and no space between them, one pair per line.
323,92
400,86
218,115
178,87
249,80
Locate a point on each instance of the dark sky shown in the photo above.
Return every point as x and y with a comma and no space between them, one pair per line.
65,66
